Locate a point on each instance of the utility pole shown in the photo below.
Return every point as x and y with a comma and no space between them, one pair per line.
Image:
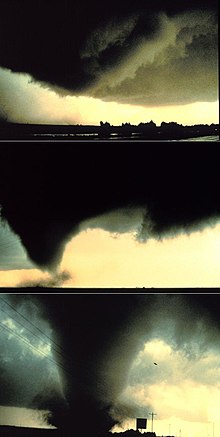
152,420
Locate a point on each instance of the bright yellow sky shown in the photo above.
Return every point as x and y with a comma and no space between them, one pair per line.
42,105
91,111
97,258
184,393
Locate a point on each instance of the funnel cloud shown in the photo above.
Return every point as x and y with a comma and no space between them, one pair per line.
100,337
47,196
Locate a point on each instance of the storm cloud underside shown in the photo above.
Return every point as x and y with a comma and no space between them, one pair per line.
157,53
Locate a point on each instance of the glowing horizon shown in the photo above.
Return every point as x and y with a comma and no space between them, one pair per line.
42,105
98,258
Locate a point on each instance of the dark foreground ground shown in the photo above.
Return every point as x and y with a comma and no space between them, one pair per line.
167,131
13,431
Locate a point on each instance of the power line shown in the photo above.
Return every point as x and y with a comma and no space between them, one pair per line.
31,323
152,419
26,341
64,356
25,327
22,338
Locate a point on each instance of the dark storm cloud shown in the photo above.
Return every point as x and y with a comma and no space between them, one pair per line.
101,335
48,196
121,221
73,46
183,71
